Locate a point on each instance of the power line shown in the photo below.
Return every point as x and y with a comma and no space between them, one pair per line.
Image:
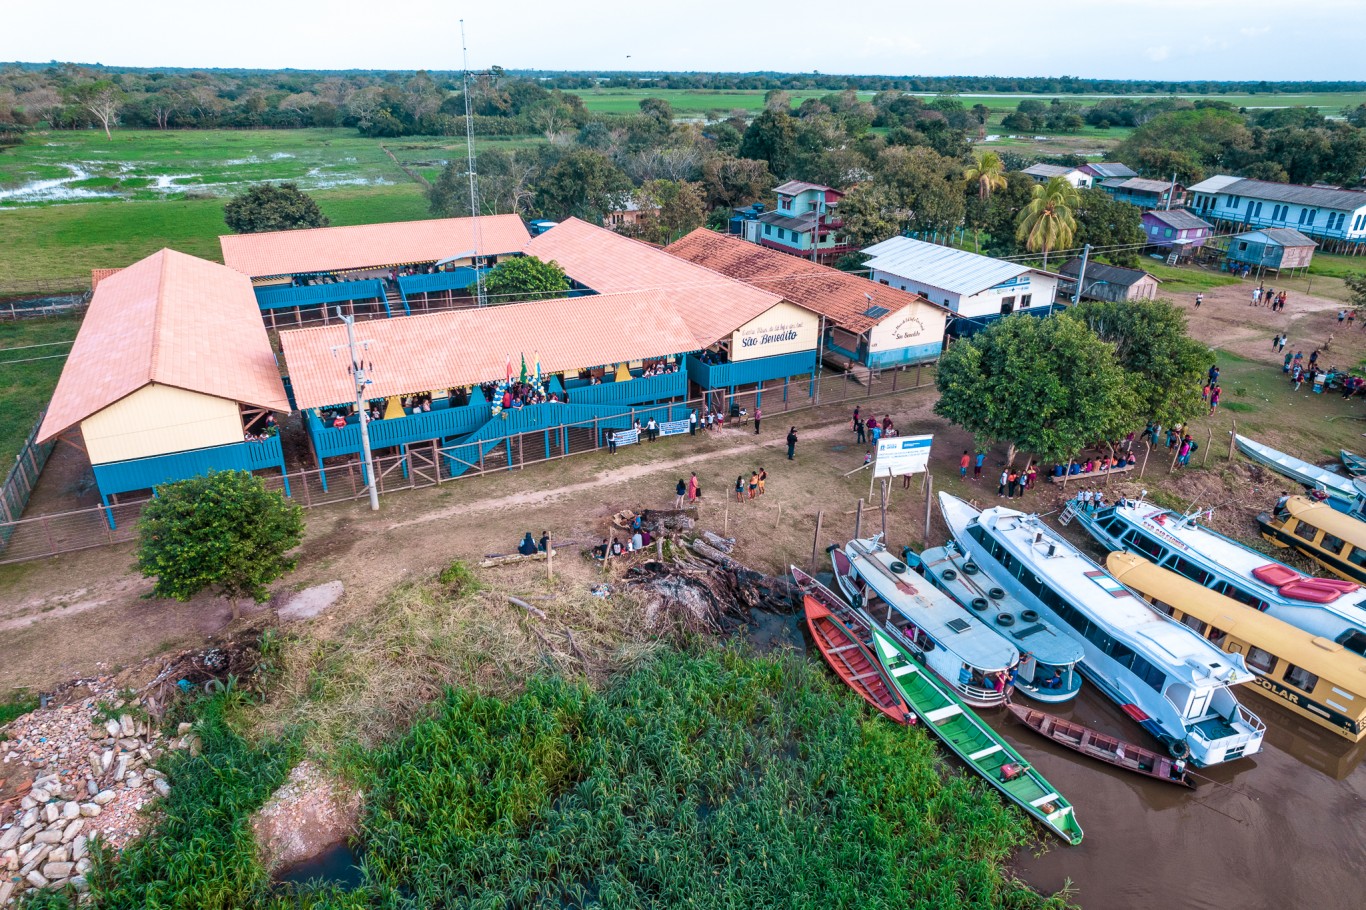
47,344
5,363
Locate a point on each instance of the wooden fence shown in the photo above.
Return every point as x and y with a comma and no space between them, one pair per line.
19,483
424,465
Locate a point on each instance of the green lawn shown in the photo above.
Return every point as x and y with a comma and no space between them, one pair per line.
67,241
1331,265
684,101
25,388
1185,280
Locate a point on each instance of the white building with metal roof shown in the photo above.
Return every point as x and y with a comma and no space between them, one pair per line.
1328,213
974,287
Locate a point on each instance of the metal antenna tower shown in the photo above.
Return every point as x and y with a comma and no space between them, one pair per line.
481,295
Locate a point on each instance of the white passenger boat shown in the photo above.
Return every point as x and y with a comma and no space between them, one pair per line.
1332,608
1345,493
1171,681
957,646
1048,657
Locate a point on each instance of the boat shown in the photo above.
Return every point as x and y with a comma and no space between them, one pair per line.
1333,540
1355,464
1345,493
979,746
1327,607
1310,676
1168,679
1047,671
958,646
846,653
1104,748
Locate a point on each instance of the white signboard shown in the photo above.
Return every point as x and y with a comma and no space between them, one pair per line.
902,455
673,427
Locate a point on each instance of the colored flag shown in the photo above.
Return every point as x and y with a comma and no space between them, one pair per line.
523,368
509,374
538,367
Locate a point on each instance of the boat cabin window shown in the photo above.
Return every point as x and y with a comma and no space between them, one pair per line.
1258,659
1353,640
1114,524
1217,636
1162,607
977,534
1190,570
1243,597
1031,582
1194,622
1122,654
1300,678
1148,673
1146,544
1357,557
1305,530
1331,544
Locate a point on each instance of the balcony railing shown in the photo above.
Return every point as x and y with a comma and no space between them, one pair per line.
145,473
745,372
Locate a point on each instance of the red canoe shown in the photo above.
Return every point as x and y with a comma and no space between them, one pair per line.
853,662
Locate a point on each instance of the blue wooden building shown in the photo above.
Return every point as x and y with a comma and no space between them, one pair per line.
1335,217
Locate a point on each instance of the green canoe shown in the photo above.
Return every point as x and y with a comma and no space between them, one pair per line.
975,742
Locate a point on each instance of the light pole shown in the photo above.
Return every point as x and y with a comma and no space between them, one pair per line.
358,374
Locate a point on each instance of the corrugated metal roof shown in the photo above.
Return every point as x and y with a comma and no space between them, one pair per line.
362,246
956,271
801,223
711,304
1212,185
1047,170
793,187
1341,200
466,347
839,296
1278,236
1112,169
1138,183
1179,219
1100,271
171,319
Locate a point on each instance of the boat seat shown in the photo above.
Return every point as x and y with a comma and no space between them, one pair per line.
1043,799
1311,591
989,750
843,648
943,713
1276,575
902,671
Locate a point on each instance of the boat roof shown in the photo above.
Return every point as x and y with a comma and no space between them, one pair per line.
1041,639
1322,515
1320,656
1298,468
951,626
1225,556
1158,637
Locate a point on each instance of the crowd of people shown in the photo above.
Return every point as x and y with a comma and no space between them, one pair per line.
1267,297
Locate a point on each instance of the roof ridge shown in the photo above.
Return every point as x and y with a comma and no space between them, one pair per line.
154,358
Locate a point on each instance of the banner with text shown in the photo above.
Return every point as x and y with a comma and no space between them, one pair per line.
902,455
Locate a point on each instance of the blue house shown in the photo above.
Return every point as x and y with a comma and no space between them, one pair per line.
1144,193
804,223
1334,216
1280,249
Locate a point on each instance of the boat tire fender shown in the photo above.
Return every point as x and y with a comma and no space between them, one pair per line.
970,568
1005,619
1029,616
979,603
949,574
996,593
898,567
1179,749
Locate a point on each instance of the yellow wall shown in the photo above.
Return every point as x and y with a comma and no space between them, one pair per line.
782,329
158,420
912,325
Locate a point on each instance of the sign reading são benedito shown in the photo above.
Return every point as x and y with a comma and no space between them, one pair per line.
902,455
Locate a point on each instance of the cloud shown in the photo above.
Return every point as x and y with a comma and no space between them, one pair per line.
1249,31
1158,54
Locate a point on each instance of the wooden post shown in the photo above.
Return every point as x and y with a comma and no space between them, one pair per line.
1066,474
1232,440
1111,447
816,539
1144,466
725,523
550,556
777,523
858,520
929,498
1209,444
659,548
885,494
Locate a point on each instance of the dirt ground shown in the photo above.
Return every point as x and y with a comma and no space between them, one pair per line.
87,612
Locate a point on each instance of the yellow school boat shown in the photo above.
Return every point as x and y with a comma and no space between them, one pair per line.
1332,539
1312,676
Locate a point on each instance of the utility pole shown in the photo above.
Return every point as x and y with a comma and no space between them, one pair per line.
481,295
1171,191
1081,276
358,374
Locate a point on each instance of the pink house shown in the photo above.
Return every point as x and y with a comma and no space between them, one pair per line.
1175,230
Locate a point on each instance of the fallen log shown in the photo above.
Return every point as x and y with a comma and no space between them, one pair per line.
517,601
501,559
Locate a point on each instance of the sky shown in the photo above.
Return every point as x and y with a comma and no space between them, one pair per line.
1119,39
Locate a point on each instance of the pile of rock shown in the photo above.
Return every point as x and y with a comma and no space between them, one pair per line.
91,777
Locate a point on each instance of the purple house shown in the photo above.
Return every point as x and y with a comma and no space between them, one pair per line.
1176,230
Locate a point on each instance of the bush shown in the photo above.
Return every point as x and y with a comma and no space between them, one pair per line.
458,580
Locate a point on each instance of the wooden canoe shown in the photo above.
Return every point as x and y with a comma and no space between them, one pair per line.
850,658
1355,464
972,740
1104,748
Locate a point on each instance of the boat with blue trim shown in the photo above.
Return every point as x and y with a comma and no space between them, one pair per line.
1168,679
1048,658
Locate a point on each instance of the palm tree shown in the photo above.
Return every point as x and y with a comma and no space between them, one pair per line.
989,174
1047,222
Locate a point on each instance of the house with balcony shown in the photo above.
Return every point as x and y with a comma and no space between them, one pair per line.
1176,231
1334,217
977,289
1107,170
804,222
171,376
1144,193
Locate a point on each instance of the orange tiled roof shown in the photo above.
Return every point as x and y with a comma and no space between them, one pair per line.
98,275
711,304
839,296
171,319
464,347
368,245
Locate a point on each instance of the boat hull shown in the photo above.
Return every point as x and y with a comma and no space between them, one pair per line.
1115,752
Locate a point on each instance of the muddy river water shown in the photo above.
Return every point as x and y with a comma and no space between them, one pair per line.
1285,828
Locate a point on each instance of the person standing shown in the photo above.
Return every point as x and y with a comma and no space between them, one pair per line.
612,442
977,465
753,484
1001,485
1199,299
791,444
758,415
652,427
692,487
1214,400
1342,316
740,488
763,479
963,465
1012,484
859,429
1030,477
692,422
858,421
680,491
